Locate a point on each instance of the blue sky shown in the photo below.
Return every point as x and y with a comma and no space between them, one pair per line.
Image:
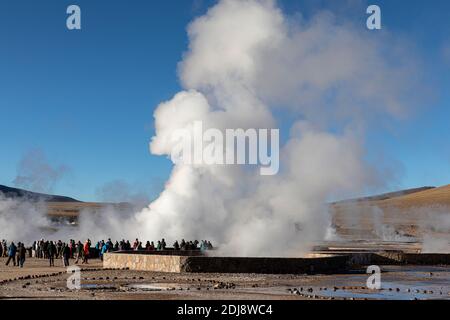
86,98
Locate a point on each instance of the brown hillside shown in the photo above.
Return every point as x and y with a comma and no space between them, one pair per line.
411,215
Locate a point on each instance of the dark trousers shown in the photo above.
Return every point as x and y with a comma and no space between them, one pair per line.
13,258
66,261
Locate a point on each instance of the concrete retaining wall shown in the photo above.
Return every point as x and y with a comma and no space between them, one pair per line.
324,265
416,258
398,258
172,263
143,262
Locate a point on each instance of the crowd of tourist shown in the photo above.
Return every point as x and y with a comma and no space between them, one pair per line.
83,251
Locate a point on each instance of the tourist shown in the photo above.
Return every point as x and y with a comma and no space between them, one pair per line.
12,254
17,255
183,245
110,245
4,249
79,251
51,253
66,254
21,254
104,250
86,248
135,244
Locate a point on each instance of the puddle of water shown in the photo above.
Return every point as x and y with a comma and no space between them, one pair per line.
411,282
94,286
155,286
144,287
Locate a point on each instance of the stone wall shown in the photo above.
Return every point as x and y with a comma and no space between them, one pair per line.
173,263
415,258
143,262
159,262
397,258
321,265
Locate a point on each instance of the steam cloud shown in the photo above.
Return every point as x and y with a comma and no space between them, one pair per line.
36,173
121,191
21,220
246,61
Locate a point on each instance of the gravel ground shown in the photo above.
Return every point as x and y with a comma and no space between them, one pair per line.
38,281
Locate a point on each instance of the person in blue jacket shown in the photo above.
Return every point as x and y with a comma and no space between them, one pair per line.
105,248
12,250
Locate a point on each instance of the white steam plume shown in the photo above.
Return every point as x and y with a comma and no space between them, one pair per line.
21,221
35,173
246,60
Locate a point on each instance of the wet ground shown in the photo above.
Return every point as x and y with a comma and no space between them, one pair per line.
38,281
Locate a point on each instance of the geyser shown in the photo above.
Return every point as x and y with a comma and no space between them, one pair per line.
248,64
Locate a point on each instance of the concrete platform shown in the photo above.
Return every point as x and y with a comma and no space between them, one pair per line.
196,262
203,264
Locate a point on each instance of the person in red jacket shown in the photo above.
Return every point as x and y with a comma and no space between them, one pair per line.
86,248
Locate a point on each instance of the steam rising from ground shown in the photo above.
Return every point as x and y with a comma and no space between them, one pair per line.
34,172
20,220
27,221
247,64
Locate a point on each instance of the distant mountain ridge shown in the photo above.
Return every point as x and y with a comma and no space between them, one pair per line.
386,196
14,193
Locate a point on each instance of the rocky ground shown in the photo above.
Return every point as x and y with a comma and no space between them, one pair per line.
38,281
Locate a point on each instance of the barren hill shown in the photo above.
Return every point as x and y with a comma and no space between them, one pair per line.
430,197
58,207
398,217
15,193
